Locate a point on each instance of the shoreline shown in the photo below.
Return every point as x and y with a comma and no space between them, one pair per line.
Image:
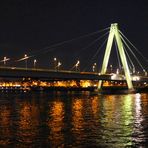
104,90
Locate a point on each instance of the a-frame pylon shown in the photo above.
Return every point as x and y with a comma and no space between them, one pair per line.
114,32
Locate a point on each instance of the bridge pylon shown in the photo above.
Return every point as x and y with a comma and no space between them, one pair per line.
114,33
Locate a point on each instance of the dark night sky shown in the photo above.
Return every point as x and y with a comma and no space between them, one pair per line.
29,25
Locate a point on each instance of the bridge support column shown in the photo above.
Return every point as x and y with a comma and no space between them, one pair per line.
114,32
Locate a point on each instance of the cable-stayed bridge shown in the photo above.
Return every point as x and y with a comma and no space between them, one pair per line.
124,72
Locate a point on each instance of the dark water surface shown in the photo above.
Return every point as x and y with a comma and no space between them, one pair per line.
73,120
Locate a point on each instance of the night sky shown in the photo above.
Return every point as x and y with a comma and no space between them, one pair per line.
27,26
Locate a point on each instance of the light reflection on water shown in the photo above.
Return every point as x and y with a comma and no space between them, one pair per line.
68,120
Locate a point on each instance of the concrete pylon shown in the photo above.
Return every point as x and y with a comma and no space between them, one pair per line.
114,33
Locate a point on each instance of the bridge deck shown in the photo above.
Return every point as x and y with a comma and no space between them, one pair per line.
12,72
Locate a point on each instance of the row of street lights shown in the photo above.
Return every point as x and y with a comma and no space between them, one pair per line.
57,65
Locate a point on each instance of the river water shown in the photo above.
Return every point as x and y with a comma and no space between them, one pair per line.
32,120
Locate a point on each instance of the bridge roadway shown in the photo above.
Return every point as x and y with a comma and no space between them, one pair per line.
45,74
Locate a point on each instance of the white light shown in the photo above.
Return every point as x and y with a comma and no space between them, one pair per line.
78,62
59,63
136,78
25,57
35,62
117,72
114,76
138,95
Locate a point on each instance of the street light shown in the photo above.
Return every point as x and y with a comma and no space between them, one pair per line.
94,67
59,64
5,60
55,63
117,71
25,58
134,70
34,63
111,68
77,64
145,72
